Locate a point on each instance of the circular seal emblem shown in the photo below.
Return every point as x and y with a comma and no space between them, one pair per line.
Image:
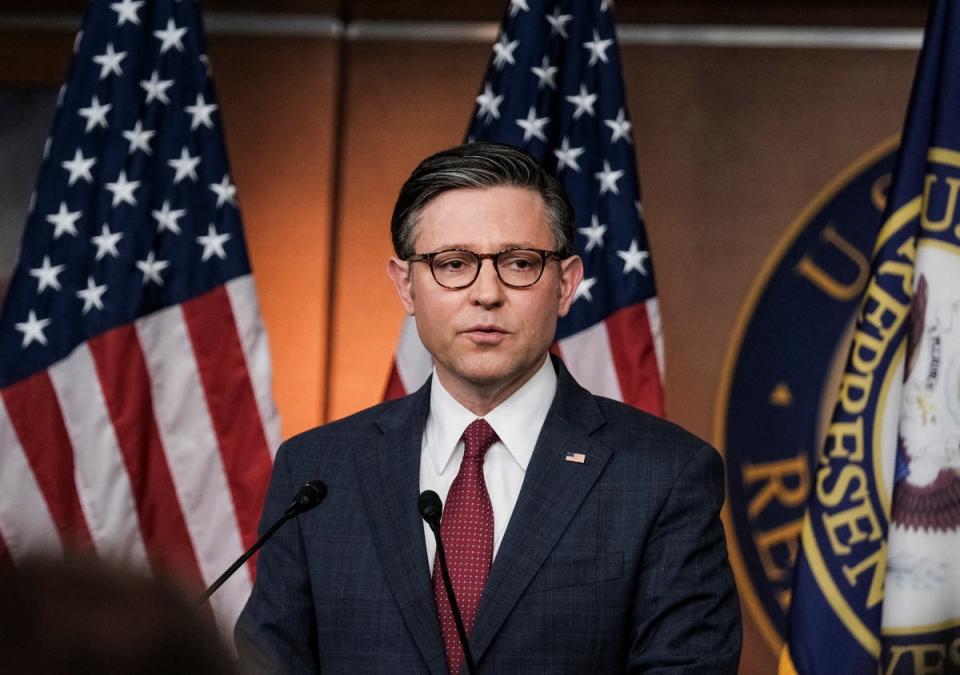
781,378
927,487
921,610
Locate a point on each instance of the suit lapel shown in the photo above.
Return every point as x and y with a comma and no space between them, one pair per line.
552,492
389,476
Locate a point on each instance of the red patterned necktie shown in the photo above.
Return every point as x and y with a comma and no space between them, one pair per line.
467,532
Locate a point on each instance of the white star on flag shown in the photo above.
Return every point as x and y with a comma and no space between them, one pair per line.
213,244
489,104
598,48
200,113
594,233
185,166
503,51
620,126
127,11
79,167
92,295
106,242
95,114
64,221
139,138
32,329
122,190
517,5
225,190
151,268
583,289
558,23
167,218
156,88
46,275
567,156
634,259
545,74
608,179
533,125
170,37
584,102
109,62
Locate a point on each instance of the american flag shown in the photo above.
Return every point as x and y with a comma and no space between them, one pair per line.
554,88
136,420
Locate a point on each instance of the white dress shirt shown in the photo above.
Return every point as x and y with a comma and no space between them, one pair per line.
517,421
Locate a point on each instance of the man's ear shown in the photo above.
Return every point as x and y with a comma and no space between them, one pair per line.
571,273
399,272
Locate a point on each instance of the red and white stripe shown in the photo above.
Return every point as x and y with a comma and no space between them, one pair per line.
620,358
151,444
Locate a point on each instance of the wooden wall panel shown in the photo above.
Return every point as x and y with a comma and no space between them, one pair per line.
403,102
732,144
279,98
34,58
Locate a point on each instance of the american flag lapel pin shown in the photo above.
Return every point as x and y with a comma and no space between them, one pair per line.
576,457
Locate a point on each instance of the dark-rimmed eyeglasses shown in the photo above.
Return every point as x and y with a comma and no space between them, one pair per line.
457,268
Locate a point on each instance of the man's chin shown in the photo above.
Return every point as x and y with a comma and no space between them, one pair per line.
489,373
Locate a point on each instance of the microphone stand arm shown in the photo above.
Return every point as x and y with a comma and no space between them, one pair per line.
242,559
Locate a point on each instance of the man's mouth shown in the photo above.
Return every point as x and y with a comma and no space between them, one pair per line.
485,333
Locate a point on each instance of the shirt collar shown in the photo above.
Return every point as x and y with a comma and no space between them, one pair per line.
517,420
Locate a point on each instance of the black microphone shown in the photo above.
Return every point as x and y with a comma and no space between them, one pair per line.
431,508
312,493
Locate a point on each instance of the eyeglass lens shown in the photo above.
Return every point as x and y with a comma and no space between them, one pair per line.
517,267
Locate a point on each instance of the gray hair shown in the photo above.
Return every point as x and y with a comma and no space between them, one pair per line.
475,166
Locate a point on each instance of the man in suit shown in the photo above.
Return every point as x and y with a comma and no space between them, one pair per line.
583,535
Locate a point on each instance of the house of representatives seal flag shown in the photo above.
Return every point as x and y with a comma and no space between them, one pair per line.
554,88
136,421
876,585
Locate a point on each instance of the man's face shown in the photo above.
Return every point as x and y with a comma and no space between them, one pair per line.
486,339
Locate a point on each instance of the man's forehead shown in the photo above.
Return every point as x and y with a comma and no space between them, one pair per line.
506,214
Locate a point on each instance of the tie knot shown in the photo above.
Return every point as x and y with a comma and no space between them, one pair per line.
478,438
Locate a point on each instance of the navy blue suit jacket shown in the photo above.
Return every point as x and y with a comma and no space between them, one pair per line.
616,564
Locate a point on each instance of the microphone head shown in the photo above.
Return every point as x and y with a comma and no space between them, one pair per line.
431,508
312,493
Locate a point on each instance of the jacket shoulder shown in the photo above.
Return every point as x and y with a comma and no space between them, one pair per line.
328,448
351,423
625,419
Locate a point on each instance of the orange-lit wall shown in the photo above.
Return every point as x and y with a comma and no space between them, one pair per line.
279,99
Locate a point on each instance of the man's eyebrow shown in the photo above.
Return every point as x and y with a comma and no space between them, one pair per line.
502,247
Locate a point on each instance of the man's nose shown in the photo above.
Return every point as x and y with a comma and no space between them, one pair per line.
487,289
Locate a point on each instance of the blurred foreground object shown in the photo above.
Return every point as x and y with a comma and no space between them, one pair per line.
82,616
